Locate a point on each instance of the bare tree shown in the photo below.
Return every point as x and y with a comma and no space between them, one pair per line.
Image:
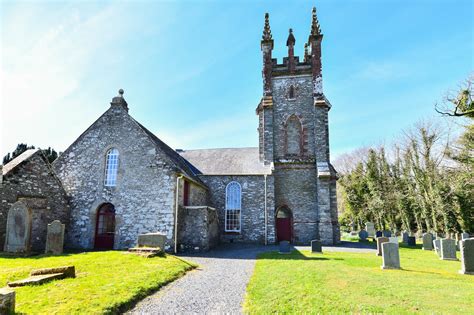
459,103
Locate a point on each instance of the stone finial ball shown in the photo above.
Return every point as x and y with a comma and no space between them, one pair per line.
121,91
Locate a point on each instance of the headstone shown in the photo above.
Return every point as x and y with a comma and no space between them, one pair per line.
467,256
427,241
378,234
405,237
448,249
411,241
390,256
380,241
363,235
55,238
285,247
387,233
465,235
17,239
370,228
316,246
437,246
393,239
7,301
154,240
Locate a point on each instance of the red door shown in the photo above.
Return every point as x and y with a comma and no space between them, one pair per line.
105,227
283,226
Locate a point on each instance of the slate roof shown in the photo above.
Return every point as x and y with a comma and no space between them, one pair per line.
18,160
229,161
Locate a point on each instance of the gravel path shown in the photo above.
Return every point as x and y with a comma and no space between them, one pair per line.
218,285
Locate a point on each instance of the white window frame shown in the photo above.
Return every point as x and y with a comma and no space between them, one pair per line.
233,205
111,167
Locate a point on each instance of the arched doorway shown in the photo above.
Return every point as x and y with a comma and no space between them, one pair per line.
105,227
284,224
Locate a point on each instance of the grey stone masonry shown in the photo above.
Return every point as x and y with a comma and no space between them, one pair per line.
390,256
7,301
448,249
427,241
380,241
157,240
198,228
467,256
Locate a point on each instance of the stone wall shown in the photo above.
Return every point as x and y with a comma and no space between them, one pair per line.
34,182
253,206
198,228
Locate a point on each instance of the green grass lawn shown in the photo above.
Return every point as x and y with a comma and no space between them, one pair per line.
106,282
353,282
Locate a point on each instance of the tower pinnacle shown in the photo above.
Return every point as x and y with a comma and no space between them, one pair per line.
315,28
267,32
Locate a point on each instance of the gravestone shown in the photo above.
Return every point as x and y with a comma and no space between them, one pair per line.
55,238
437,245
427,241
285,247
448,249
316,246
17,238
380,241
363,235
465,235
390,256
7,301
405,237
467,256
153,240
387,233
370,228
393,239
411,241
378,234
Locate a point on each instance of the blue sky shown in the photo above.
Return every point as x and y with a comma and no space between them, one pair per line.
191,70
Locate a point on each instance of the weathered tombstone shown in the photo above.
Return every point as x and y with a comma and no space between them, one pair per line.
390,256
465,235
285,247
387,233
467,256
448,249
55,238
370,228
17,238
316,246
378,234
437,246
380,241
405,237
153,240
411,241
427,241
7,301
393,239
363,235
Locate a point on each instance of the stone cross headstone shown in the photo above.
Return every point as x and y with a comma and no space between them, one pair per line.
378,234
285,247
316,246
427,241
17,238
363,235
370,228
448,249
55,238
467,256
7,301
411,241
380,241
437,245
393,239
387,233
405,237
390,256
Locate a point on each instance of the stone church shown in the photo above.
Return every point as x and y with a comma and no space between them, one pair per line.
121,180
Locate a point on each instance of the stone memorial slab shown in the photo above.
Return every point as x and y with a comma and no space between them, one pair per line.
411,241
378,234
380,241
448,249
17,238
465,235
405,237
363,235
393,239
467,256
427,241
153,240
370,228
387,233
7,301
285,247
316,246
437,245
55,238
390,256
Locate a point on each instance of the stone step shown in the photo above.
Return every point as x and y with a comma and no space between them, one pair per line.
146,251
35,280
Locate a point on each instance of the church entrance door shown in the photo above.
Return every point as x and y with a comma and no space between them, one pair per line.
284,223
105,227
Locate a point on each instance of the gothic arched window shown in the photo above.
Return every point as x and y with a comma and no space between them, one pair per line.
233,205
293,136
111,167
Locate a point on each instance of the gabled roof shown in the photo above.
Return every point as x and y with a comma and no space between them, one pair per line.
228,161
10,166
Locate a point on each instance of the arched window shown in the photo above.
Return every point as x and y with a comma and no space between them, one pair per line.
293,136
233,196
291,93
111,167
